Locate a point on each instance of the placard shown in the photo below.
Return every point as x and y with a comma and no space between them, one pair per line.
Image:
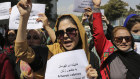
67,65
79,5
138,47
4,10
32,23
102,11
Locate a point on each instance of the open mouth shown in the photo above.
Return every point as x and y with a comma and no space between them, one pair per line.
67,43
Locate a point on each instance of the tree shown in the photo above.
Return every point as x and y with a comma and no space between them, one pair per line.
114,9
138,6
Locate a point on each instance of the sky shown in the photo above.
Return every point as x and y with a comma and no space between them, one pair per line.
66,6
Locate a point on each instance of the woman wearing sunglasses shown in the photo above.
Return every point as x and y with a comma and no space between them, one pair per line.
118,58
70,35
36,37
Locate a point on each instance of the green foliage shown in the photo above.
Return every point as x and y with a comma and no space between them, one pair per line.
114,9
138,6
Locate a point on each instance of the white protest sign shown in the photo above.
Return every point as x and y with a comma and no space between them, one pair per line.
79,5
102,11
67,65
138,47
4,10
32,23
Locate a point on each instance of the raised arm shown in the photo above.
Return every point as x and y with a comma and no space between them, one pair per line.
24,7
100,41
22,50
96,3
46,26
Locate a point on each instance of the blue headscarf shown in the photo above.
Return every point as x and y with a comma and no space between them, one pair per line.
127,19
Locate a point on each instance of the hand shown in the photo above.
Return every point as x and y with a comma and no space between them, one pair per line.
10,9
44,20
88,12
91,73
135,46
96,3
105,19
24,7
84,17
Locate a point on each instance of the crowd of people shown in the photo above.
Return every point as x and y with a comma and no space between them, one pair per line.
114,55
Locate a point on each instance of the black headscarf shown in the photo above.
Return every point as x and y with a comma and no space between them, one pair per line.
132,62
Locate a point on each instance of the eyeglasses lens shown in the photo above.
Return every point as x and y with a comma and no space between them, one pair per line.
71,32
120,39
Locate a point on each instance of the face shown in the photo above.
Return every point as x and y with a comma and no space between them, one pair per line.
11,36
122,39
70,36
33,38
136,29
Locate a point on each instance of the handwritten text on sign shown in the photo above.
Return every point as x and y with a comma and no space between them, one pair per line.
67,65
79,5
4,10
32,23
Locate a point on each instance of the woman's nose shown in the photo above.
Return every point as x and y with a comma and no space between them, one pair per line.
65,35
123,41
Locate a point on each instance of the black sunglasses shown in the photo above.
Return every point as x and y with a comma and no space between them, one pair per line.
120,39
71,32
36,37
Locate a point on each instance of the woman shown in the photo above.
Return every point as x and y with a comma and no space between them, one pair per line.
69,38
118,59
132,23
10,37
36,37
8,47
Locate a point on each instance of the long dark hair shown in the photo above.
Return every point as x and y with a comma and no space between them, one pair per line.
132,21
